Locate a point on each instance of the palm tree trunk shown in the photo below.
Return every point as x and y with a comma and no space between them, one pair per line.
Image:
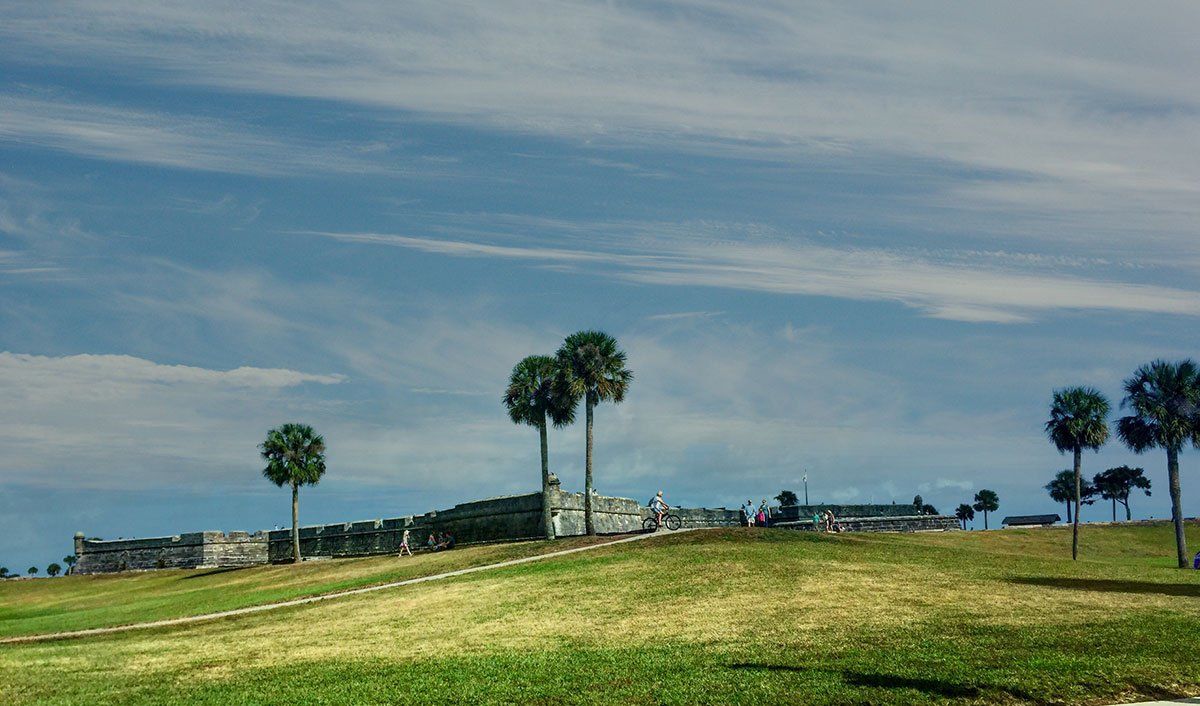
1068,512
1176,505
547,514
1128,513
985,519
1075,524
1114,504
589,524
295,523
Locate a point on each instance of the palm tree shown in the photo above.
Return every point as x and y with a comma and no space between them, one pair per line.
1078,421
1062,490
591,366
964,513
532,398
32,571
1164,398
986,501
1116,484
787,498
53,569
70,560
295,456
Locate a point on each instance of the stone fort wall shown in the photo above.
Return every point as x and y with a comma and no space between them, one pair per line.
191,550
509,518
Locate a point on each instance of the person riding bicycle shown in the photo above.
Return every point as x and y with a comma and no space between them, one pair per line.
658,506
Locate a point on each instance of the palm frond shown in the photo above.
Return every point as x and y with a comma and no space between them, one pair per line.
1078,419
1164,398
294,453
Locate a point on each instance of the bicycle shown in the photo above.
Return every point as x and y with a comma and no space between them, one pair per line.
672,522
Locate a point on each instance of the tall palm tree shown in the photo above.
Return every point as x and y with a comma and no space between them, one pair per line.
1164,398
591,366
1078,421
295,456
986,501
964,513
531,398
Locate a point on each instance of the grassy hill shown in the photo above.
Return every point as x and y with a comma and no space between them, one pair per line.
722,616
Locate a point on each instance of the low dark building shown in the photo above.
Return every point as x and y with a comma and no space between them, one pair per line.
1030,520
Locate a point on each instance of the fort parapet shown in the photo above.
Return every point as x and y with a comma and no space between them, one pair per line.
191,550
509,518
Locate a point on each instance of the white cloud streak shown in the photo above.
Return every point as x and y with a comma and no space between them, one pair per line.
122,421
968,290
1089,111
168,140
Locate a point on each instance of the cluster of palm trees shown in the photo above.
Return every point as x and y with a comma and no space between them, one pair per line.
1115,485
545,390
986,501
542,390
1163,398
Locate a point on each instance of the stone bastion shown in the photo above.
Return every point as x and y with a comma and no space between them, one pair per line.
502,519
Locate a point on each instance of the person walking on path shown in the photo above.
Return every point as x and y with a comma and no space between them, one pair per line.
404,544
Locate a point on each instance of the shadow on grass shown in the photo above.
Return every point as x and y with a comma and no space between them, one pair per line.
939,687
214,572
1191,590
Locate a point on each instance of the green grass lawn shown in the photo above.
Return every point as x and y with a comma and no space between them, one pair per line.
103,600
723,616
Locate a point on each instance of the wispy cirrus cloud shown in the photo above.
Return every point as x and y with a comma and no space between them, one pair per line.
123,134
958,286
1056,119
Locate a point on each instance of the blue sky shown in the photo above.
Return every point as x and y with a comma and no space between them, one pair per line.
864,241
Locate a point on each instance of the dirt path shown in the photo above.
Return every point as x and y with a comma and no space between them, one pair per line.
316,599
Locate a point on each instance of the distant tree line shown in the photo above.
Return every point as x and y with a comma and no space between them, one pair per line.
52,569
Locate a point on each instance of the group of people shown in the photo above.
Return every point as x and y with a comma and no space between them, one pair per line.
752,517
825,522
438,541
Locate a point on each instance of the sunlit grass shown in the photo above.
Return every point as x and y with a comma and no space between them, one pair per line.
724,616
102,600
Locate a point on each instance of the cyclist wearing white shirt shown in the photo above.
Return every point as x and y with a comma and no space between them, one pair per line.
659,507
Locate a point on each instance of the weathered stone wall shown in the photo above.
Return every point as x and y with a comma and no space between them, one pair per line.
611,515
702,516
724,517
507,518
191,550
805,512
907,523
